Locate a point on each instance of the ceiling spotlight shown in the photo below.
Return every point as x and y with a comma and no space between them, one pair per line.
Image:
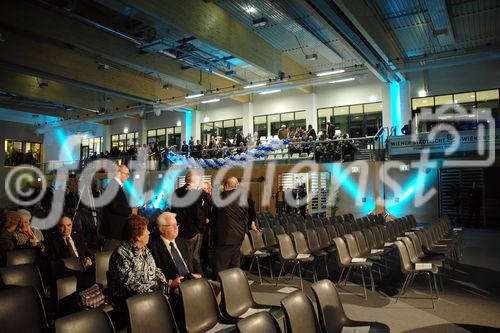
255,85
125,130
337,71
311,57
343,80
422,93
259,22
206,119
250,9
372,99
179,123
107,99
102,66
167,86
194,96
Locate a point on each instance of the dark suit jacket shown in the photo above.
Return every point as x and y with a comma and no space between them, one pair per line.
231,221
190,218
329,131
115,214
164,260
58,249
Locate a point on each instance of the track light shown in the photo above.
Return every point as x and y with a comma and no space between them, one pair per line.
210,101
195,96
343,80
259,22
311,57
255,85
337,71
269,92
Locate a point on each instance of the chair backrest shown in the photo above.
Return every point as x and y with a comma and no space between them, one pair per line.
342,253
269,237
379,238
200,307
300,243
73,263
21,310
330,310
287,251
23,275
246,248
299,313
279,230
313,240
235,291
347,227
257,240
332,233
324,239
291,228
411,249
66,286
352,245
20,257
361,241
418,245
370,239
262,322
406,265
150,312
340,229
101,267
87,321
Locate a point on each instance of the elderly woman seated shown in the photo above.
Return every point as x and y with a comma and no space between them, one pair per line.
26,235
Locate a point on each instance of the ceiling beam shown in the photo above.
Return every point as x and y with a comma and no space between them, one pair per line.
75,68
55,25
211,24
306,90
242,98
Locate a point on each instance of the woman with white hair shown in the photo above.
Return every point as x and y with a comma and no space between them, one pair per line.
25,235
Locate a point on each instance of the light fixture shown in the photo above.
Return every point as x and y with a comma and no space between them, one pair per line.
343,80
255,85
206,119
250,9
179,123
211,101
372,99
337,71
422,93
125,130
311,57
259,22
270,92
137,176
160,176
355,169
404,167
195,96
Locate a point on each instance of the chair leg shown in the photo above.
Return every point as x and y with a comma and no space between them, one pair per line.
347,276
271,268
363,280
251,265
401,292
340,277
326,267
430,290
279,275
300,276
258,269
371,279
436,286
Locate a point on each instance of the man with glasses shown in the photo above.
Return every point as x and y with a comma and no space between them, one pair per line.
116,213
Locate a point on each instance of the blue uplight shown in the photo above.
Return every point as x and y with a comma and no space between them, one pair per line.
167,187
418,181
189,121
63,141
395,91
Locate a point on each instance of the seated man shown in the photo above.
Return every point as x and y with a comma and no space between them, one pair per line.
67,243
10,220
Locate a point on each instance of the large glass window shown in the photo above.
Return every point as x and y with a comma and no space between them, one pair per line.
270,124
125,141
89,146
356,120
473,102
168,136
226,129
22,152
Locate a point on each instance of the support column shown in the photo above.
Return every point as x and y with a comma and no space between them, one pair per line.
312,115
107,138
248,117
143,132
396,110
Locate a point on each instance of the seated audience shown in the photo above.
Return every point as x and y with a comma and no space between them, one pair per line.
25,235
10,220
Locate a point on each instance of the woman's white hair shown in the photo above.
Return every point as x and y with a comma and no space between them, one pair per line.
24,212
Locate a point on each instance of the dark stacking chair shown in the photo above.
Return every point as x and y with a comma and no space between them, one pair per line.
332,233
261,322
87,321
201,313
279,230
101,267
269,238
20,257
315,247
261,251
247,250
299,314
23,275
21,310
150,312
237,299
332,317
324,240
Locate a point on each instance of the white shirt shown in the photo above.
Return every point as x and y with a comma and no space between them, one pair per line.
119,182
167,244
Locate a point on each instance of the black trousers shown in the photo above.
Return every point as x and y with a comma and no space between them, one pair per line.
226,256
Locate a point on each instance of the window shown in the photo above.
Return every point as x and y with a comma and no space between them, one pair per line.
22,152
169,136
357,120
270,124
90,146
226,129
472,102
125,141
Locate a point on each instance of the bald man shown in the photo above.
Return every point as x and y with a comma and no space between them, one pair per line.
231,222
116,213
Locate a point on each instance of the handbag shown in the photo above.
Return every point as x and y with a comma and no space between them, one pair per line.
92,297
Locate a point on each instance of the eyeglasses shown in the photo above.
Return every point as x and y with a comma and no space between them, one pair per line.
170,225
125,173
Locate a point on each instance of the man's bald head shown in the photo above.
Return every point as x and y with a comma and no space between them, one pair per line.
231,183
123,173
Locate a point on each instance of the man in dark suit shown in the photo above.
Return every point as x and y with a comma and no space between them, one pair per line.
232,221
239,138
67,243
329,130
187,205
116,213
311,133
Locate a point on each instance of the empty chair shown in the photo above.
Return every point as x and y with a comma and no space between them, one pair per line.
201,313
101,267
332,317
260,250
324,240
300,316
269,237
315,247
332,233
247,250
291,228
21,310
87,321
23,275
20,257
261,322
150,312
237,299
279,230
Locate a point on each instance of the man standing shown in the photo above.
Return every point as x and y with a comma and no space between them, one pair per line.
186,204
231,223
280,201
329,131
116,213
238,138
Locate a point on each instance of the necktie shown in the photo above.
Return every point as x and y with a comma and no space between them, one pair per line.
179,263
70,247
